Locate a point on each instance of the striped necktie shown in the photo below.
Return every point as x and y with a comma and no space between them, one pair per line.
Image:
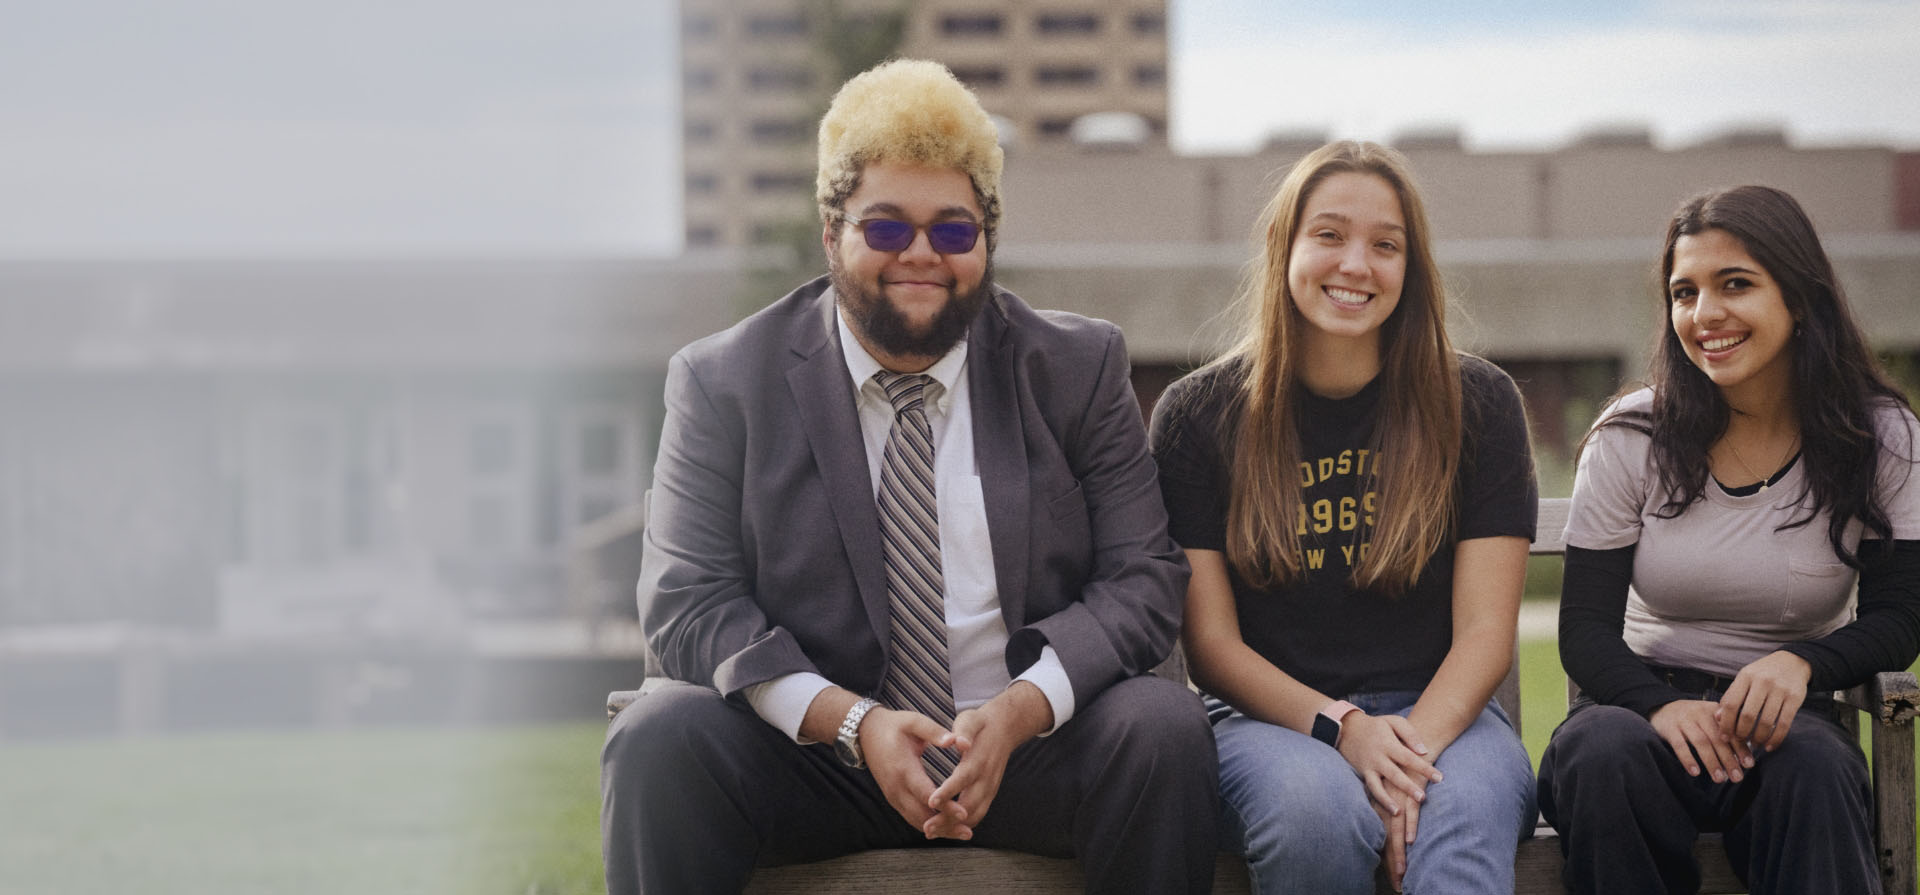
917,676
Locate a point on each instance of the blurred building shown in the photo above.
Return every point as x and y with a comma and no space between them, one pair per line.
756,76
244,492
312,446
1550,256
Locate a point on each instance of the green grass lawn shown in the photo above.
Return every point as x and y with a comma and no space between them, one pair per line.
390,811
473,812
1543,695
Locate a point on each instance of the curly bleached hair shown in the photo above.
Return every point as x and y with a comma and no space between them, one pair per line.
912,111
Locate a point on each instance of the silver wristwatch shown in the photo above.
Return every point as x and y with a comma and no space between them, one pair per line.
847,744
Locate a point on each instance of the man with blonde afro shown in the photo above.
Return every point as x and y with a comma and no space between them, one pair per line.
907,563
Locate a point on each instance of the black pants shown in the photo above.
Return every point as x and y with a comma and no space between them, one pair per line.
1628,814
697,791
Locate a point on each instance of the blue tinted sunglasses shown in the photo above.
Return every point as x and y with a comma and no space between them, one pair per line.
946,237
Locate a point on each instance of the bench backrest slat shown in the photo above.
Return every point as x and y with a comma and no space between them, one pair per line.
1550,533
1549,539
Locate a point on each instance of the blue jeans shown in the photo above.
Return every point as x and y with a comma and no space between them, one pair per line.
1300,815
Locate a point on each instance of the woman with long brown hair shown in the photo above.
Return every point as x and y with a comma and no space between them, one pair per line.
1720,519
1356,500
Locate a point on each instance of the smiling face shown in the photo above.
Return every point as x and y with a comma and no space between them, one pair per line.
1730,316
907,308
1348,260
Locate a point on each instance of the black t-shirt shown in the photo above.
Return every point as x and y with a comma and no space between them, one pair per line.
1320,630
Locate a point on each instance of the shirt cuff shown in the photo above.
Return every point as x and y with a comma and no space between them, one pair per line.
783,701
1051,677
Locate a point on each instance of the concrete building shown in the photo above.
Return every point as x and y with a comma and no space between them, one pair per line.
1550,257
327,492
1551,252
318,446
756,75
1043,65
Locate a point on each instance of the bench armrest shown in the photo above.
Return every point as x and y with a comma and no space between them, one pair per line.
620,699
1891,697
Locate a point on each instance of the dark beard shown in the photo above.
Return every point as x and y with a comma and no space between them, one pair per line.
878,323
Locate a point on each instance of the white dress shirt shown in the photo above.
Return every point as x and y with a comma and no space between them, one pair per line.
976,632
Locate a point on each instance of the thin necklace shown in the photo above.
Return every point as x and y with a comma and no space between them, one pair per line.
1764,480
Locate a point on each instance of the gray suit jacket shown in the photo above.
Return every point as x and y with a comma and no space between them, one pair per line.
763,552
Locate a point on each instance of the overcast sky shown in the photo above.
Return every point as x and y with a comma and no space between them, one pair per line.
451,127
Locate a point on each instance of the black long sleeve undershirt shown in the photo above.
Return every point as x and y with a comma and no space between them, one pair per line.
1884,635
1593,614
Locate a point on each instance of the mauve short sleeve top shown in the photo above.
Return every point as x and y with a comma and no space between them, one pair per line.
1723,583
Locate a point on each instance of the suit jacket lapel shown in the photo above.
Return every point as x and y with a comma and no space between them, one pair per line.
1000,450
823,391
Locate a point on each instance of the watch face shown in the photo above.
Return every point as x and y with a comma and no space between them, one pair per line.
1326,730
848,757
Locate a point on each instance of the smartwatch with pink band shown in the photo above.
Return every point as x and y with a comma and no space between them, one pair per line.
1326,725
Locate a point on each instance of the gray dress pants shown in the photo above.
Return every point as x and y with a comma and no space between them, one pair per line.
697,791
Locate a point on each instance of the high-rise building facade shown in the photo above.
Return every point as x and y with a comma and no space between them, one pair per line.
756,74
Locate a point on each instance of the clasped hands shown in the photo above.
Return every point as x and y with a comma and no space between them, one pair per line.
1392,761
1754,715
892,741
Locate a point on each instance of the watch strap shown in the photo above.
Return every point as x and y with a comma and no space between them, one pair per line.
849,738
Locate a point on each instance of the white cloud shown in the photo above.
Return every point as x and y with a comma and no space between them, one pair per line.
1830,78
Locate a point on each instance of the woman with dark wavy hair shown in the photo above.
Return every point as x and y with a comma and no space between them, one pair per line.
1355,499
1720,518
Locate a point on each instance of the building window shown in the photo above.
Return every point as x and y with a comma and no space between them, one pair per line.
782,182
775,234
501,472
1068,24
979,76
489,523
702,184
702,235
781,130
791,77
700,80
1150,75
490,448
700,131
1067,76
1561,397
775,25
599,448
309,480
14,525
974,25
1054,127
698,27
300,457
1148,23
606,463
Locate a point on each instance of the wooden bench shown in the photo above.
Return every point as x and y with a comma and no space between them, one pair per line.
1890,702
